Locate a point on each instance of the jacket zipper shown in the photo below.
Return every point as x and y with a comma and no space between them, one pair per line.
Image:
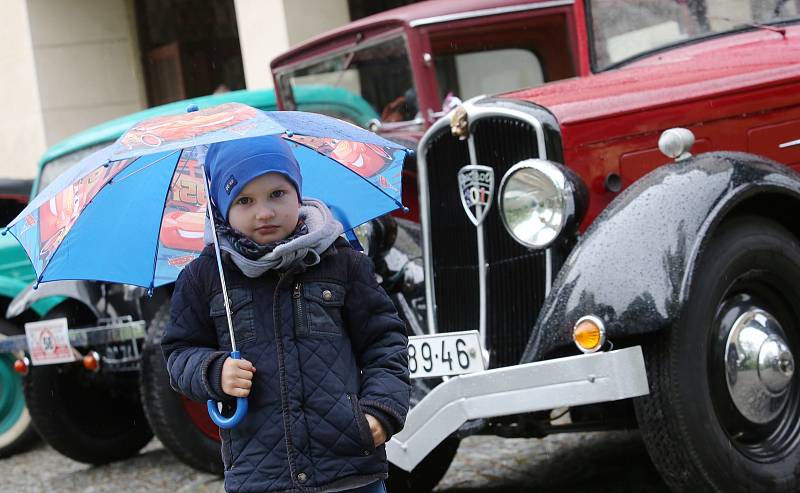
300,326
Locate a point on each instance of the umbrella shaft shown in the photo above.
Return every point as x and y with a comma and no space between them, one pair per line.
219,261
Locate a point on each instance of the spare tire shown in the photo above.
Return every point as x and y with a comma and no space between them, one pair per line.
89,417
16,429
182,425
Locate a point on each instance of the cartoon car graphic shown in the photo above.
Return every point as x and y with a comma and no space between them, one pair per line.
183,230
365,159
58,214
157,131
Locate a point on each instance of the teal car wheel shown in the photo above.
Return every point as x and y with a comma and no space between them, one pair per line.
16,430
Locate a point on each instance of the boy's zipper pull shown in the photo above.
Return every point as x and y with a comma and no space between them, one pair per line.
297,287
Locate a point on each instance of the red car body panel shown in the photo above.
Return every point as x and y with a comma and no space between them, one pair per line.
727,91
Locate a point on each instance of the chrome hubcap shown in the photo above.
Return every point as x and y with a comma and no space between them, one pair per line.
759,366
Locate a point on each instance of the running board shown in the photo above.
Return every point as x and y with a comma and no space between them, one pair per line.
539,386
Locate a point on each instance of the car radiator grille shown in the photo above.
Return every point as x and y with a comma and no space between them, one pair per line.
516,275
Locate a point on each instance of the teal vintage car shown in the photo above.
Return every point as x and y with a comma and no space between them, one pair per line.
66,427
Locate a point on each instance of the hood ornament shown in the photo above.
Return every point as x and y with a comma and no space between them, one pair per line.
459,123
476,184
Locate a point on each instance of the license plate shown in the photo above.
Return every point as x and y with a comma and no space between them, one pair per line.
48,342
439,355
121,353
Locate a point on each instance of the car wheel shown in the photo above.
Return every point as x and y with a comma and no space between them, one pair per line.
427,474
89,417
182,425
723,413
16,430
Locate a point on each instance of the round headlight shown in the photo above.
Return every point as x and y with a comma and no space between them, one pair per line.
377,236
364,233
536,202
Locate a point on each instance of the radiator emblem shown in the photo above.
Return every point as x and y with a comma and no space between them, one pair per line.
476,184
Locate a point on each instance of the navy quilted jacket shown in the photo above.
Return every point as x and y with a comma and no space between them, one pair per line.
328,347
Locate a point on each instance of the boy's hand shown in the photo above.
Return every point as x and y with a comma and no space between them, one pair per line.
378,433
237,376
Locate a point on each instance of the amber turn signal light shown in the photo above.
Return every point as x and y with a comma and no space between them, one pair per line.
589,334
21,366
92,361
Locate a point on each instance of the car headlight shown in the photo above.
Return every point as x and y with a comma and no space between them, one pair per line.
377,236
364,234
539,200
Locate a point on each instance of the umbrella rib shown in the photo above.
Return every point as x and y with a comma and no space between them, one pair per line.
147,166
161,220
58,247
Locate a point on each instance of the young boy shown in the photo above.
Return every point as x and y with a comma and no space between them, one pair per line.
324,361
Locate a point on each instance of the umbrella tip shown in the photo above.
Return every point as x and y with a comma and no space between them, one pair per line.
4,232
289,133
192,108
405,210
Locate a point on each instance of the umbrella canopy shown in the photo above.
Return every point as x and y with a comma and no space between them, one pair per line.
134,212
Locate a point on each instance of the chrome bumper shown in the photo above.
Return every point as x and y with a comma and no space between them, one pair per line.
563,382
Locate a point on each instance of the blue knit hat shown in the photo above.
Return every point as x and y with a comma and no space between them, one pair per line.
234,163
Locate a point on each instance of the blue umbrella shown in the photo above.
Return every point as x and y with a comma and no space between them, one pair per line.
134,212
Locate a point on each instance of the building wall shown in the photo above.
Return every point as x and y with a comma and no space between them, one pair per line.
87,63
267,28
22,135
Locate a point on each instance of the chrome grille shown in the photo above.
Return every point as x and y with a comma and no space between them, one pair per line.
515,280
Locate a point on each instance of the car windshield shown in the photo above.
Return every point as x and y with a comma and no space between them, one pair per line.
379,73
52,169
624,29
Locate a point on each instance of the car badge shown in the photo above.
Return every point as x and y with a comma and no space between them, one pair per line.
476,184
459,123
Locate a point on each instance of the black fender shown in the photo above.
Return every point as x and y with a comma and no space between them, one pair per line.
633,266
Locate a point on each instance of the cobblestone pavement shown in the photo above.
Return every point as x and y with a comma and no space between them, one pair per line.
576,463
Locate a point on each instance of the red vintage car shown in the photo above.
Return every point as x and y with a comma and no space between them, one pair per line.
607,199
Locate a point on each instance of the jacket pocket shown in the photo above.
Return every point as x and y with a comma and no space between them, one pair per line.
364,433
318,308
241,302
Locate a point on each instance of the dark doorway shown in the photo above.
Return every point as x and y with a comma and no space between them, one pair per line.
364,8
189,48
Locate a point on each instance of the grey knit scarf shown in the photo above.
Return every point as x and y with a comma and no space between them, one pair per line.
323,229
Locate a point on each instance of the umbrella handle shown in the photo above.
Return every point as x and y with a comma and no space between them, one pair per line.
241,408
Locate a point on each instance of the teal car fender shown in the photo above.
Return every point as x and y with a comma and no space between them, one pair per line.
16,274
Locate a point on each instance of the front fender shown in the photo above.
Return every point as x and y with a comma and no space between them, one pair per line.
633,267
10,288
52,293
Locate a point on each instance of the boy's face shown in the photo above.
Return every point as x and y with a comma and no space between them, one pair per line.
267,209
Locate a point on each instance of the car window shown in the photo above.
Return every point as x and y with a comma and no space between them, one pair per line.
379,73
52,169
501,56
623,29
487,72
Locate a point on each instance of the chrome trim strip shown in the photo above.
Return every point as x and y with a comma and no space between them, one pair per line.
474,112
548,275
482,288
488,12
539,386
